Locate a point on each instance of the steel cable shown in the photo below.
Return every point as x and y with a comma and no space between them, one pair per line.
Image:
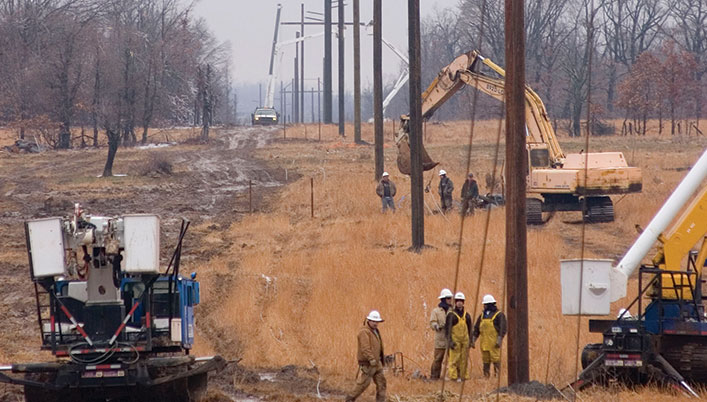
461,229
590,53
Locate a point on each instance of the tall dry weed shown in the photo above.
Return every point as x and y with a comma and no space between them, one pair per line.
302,286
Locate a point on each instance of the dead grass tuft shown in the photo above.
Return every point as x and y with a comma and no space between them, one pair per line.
157,164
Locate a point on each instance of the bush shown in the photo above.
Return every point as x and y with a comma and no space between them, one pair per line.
157,164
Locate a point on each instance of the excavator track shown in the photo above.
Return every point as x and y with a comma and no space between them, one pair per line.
599,209
533,211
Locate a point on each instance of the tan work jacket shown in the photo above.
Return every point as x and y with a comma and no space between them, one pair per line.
370,345
439,316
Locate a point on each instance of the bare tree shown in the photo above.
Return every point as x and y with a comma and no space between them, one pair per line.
629,28
690,32
577,55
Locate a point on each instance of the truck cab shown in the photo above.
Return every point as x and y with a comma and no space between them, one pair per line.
265,116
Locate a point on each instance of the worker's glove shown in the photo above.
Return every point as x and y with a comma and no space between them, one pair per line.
453,345
499,341
471,345
427,189
435,326
373,362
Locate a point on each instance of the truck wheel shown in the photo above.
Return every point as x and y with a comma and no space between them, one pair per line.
533,211
599,209
590,353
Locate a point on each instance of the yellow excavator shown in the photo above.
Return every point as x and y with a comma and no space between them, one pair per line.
555,181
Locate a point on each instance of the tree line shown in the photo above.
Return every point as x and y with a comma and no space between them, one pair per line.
116,67
648,58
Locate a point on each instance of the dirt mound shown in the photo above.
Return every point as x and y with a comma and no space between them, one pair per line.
533,389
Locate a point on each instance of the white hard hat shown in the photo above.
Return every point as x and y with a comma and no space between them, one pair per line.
385,174
626,314
488,299
374,315
459,296
442,172
445,293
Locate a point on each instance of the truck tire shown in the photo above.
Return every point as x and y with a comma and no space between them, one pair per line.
533,211
599,209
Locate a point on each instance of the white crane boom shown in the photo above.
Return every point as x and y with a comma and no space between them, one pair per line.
272,79
661,220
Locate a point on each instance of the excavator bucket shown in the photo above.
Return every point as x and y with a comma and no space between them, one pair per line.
404,164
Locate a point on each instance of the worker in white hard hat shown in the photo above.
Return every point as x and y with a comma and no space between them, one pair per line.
446,187
438,320
370,358
624,315
458,331
386,191
490,328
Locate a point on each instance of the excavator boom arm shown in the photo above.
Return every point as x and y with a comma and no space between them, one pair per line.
461,72
538,126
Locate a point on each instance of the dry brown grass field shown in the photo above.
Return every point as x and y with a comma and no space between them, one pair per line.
280,287
302,285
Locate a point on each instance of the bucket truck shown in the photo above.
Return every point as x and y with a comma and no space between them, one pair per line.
119,326
665,338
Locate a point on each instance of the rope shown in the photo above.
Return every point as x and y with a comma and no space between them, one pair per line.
461,228
590,40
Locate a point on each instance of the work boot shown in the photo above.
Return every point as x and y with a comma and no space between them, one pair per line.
487,370
497,369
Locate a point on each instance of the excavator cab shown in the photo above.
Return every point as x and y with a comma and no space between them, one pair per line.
539,156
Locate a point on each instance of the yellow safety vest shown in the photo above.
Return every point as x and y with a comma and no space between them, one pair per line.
488,333
460,331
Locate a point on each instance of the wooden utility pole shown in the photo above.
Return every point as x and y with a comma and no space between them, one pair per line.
378,87
295,88
415,125
327,62
357,71
340,4
516,164
301,69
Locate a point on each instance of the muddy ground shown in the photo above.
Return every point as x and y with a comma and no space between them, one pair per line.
206,183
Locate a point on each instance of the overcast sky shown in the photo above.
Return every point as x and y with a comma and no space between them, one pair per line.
249,26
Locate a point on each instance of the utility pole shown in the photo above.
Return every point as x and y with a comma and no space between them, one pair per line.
327,62
282,99
260,94
516,163
378,87
341,67
357,71
301,69
295,88
415,125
